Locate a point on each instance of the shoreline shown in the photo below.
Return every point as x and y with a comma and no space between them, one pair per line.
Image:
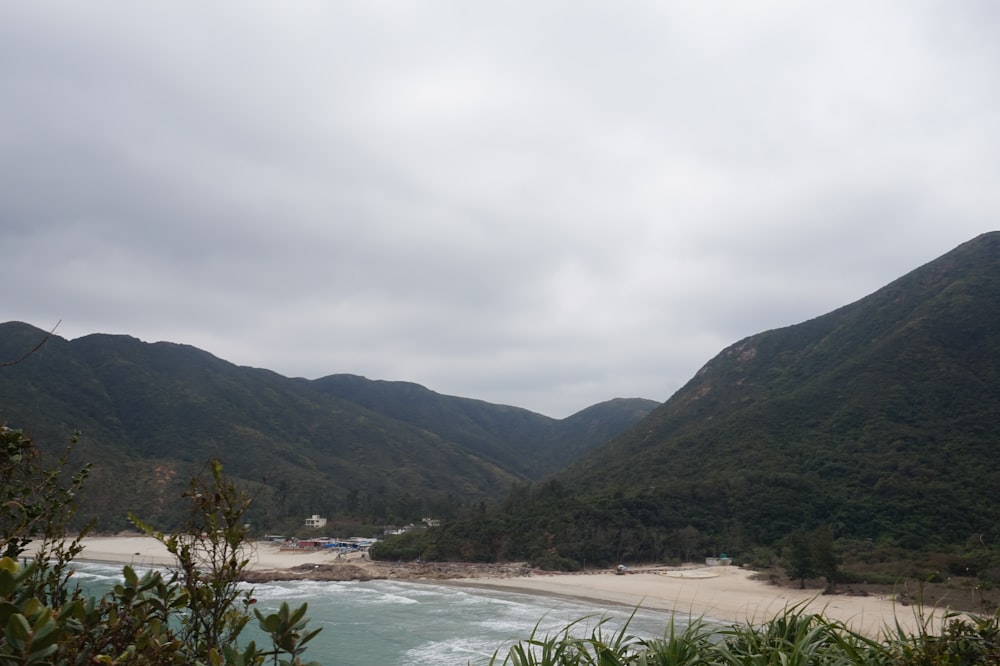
723,594
874,617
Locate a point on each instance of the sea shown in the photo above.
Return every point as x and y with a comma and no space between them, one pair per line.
404,623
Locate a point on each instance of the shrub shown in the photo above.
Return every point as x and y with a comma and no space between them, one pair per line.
402,548
554,562
192,614
791,638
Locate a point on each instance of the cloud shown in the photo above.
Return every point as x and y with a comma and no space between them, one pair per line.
542,204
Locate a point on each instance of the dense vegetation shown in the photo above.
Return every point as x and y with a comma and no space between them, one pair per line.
528,444
879,421
342,446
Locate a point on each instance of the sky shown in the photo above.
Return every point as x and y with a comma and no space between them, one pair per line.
545,204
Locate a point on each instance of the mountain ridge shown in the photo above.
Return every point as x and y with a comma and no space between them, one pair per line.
159,410
879,420
901,366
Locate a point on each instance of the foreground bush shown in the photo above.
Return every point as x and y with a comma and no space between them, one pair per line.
191,614
791,639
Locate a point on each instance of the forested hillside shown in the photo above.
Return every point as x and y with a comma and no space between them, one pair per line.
516,439
879,421
151,415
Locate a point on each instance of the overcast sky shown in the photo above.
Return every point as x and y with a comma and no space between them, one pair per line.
546,204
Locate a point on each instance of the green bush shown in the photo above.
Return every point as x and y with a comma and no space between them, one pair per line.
553,562
402,548
759,558
194,613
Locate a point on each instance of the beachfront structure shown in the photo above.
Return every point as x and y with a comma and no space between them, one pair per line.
315,521
350,544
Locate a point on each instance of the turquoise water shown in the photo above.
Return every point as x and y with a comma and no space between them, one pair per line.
410,623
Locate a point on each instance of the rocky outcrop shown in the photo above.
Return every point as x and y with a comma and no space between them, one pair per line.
367,570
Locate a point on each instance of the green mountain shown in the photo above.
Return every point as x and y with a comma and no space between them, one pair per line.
515,439
880,419
152,414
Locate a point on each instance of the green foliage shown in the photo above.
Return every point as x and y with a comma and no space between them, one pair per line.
193,614
824,555
792,638
210,550
527,444
799,560
288,633
556,528
553,562
963,640
405,548
758,558
130,624
597,649
38,503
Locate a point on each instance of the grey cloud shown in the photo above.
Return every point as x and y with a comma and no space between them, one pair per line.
543,204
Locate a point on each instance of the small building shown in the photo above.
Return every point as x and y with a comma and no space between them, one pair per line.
315,521
722,561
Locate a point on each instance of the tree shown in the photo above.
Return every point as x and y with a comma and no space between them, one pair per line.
825,559
688,540
798,557
811,554
211,553
37,505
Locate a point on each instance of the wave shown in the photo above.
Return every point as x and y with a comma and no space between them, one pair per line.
410,623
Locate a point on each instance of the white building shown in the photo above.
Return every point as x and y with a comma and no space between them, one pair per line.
315,521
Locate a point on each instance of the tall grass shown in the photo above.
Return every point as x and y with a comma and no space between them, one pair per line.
794,638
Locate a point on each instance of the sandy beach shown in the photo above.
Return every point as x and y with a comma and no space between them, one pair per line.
724,593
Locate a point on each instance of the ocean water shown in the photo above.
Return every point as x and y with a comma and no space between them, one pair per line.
402,623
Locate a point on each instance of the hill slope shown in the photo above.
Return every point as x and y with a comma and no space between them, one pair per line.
151,414
880,419
516,439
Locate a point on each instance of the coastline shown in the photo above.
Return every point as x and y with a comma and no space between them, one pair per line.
730,598
724,594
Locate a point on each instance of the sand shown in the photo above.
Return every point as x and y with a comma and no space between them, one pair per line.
146,551
723,593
